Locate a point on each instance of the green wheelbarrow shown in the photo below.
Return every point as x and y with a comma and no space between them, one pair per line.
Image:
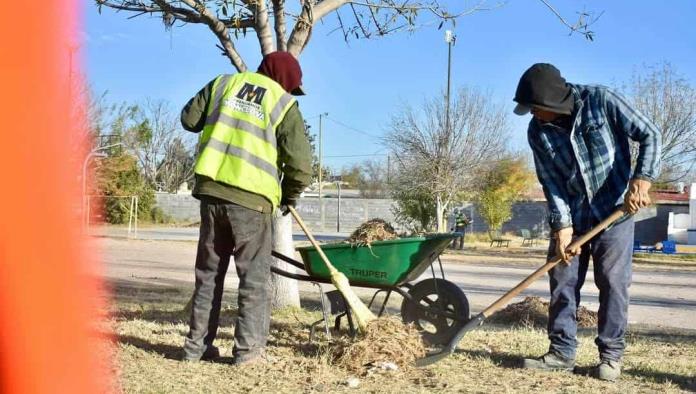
438,307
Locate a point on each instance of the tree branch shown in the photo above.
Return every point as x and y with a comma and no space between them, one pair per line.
220,31
581,26
182,14
279,24
262,27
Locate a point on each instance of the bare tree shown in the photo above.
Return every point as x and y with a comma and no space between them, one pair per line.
148,132
670,102
369,177
441,161
230,19
176,168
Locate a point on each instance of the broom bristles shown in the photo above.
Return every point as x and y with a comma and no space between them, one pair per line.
361,312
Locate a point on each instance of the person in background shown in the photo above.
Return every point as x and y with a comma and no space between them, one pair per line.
460,224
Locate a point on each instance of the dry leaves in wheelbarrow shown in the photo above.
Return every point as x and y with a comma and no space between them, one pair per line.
387,340
370,231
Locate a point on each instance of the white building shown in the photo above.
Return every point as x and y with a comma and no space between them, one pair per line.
682,226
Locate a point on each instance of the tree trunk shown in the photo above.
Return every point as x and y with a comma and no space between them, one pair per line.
284,291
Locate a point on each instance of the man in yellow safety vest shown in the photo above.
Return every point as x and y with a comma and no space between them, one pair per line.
253,158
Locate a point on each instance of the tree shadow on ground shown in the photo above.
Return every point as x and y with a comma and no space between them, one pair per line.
687,383
505,360
165,304
167,351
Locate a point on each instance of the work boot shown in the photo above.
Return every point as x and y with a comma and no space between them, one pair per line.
608,370
211,353
253,359
550,361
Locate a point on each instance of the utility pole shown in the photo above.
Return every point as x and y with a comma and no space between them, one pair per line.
450,38
321,206
388,169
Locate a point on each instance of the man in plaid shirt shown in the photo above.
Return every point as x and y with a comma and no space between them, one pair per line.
580,137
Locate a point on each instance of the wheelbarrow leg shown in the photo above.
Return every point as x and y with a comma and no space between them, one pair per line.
324,313
384,303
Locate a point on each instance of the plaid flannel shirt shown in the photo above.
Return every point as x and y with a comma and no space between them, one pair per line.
584,172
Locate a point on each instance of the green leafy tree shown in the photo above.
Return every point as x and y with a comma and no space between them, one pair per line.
315,159
117,178
501,185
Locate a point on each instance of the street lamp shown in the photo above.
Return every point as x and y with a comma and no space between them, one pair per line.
450,39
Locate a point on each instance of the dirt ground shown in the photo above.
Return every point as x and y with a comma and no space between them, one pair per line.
151,282
149,329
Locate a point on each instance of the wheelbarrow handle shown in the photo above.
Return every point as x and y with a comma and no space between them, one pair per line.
478,320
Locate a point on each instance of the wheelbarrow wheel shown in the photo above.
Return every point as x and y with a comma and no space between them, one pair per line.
433,295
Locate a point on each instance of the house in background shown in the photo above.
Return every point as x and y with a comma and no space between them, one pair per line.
681,226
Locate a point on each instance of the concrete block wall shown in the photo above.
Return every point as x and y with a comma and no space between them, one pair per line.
182,207
651,223
354,212
531,215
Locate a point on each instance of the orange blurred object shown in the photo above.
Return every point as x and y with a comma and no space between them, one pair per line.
49,297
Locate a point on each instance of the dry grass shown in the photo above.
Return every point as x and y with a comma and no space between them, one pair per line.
150,330
386,340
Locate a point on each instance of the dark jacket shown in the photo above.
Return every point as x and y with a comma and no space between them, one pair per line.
294,156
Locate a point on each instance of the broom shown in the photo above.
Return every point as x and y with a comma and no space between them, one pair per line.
361,313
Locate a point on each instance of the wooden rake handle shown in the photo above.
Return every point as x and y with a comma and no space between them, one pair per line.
502,301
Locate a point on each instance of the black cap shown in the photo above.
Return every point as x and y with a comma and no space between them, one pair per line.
543,86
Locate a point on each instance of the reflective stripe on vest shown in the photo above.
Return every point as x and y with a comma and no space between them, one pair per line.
238,145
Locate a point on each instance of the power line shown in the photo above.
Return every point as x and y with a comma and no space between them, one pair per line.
352,128
364,155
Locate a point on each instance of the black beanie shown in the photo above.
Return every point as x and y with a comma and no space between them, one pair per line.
543,86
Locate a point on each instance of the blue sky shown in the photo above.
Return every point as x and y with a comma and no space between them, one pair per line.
360,84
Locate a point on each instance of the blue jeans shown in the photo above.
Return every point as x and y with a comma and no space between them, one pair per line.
611,252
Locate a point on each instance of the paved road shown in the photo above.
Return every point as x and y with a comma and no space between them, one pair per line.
659,297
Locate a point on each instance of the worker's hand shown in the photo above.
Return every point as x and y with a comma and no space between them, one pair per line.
285,203
637,195
563,239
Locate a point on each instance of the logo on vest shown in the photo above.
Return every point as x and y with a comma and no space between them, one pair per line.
251,93
248,100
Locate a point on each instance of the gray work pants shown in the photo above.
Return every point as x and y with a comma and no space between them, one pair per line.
231,230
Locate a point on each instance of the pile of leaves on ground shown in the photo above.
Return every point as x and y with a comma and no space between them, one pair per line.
370,231
387,344
533,312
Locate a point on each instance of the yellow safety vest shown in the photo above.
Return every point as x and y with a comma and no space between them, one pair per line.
238,144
